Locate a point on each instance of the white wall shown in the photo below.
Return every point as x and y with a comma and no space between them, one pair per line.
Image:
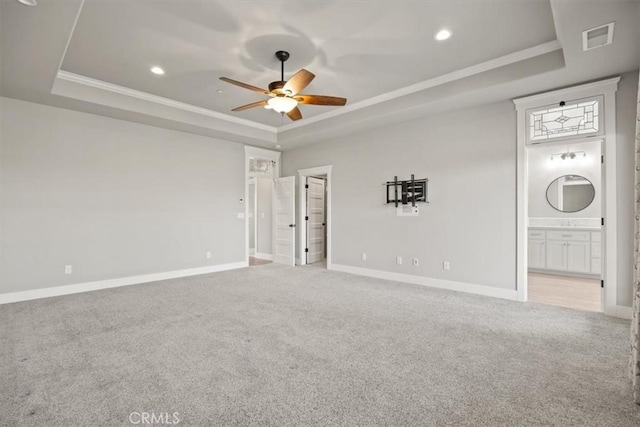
542,171
264,188
469,158
112,198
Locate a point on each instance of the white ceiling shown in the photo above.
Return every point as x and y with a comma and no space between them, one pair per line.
94,56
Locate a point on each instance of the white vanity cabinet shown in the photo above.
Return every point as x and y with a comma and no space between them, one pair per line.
537,252
565,250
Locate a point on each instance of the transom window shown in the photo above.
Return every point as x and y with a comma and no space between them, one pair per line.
261,166
565,120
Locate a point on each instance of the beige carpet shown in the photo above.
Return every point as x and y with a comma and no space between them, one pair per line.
280,346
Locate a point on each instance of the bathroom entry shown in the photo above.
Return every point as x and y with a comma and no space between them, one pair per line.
565,254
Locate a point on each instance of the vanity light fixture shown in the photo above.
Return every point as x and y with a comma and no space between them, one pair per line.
569,155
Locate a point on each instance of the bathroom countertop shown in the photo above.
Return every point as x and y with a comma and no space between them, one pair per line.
564,227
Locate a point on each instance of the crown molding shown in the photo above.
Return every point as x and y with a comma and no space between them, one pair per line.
133,93
502,61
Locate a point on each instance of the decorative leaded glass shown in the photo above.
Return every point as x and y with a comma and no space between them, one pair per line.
261,166
574,118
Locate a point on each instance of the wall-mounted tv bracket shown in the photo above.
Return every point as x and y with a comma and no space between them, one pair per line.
413,190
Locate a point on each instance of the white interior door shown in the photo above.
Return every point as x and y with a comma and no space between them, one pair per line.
284,220
315,219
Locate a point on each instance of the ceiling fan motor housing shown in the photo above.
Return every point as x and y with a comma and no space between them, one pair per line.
276,87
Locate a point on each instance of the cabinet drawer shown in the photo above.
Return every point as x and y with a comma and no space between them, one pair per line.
596,236
596,250
579,236
536,234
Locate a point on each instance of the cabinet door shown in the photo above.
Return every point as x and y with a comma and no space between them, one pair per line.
579,257
537,256
556,255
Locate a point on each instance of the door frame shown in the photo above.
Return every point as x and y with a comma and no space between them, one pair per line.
261,153
607,88
302,210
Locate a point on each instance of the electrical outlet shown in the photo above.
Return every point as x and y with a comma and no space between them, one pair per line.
68,269
398,260
446,265
208,255
364,256
415,262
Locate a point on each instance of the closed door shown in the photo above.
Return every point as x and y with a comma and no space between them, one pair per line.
579,257
315,219
283,220
556,255
537,254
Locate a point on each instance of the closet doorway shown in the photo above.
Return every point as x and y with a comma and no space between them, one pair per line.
315,216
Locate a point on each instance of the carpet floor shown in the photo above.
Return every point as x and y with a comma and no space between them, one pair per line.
275,345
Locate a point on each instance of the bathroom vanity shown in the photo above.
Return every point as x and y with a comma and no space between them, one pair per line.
570,250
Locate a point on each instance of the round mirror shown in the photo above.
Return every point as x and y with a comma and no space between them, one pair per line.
570,193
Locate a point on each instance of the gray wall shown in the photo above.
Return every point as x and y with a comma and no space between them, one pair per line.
469,158
626,99
264,188
542,172
112,198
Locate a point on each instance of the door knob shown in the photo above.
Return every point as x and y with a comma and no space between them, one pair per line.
292,225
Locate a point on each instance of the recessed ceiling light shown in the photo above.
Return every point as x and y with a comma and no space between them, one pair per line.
443,34
220,91
157,70
29,2
278,146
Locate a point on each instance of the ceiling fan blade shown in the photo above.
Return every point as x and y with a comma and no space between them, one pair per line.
244,85
295,114
320,100
299,81
252,105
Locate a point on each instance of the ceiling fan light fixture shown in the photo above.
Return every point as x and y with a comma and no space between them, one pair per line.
443,34
282,104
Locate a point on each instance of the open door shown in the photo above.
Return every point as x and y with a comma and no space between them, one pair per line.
284,220
315,220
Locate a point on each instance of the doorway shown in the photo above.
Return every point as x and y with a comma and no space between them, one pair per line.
314,208
260,220
261,168
565,257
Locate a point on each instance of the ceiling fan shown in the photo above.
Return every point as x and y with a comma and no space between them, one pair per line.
285,95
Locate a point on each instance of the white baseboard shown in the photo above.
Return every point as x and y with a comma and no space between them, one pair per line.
430,282
619,311
260,255
114,283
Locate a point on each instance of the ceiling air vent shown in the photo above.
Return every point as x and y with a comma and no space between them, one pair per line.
597,37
